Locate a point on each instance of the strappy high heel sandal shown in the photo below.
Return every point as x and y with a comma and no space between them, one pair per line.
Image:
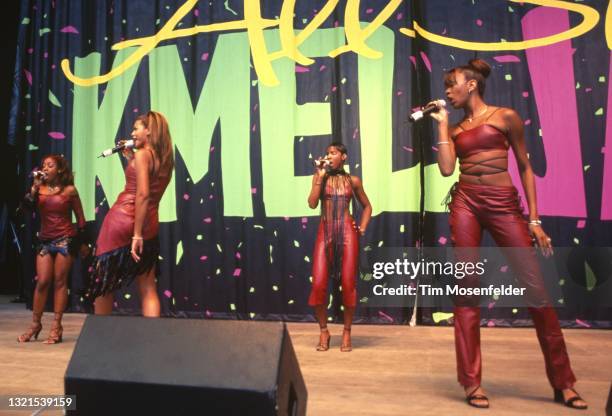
346,347
55,335
571,402
472,397
33,331
324,346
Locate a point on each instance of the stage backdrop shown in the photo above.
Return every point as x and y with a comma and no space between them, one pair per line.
254,90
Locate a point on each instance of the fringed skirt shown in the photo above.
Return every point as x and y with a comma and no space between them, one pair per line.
116,269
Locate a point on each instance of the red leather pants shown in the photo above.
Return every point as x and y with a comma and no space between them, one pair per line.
320,272
475,208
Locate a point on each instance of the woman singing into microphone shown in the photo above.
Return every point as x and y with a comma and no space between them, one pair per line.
56,197
336,249
128,247
485,199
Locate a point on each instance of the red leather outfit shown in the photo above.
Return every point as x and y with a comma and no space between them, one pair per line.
56,216
337,246
113,266
497,209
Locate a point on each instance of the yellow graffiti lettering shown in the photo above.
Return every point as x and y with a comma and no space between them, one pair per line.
590,17
609,26
355,36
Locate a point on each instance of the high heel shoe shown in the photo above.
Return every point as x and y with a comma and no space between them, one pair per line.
32,332
571,402
324,346
473,396
55,335
346,347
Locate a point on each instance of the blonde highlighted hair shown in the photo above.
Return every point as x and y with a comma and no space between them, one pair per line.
159,139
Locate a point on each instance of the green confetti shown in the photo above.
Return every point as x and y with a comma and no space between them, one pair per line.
561,282
53,99
380,243
156,22
258,226
577,85
252,315
28,128
291,301
514,310
25,21
495,297
28,96
441,316
199,237
179,252
228,8
275,288
366,277
232,306
348,101
510,9
343,80
402,228
219,248
586,167
540,132
363,300
218,272
127,296
253,83
576,241
296,243
43,31
599,111
602,79
304,21
32,147
307,259
252,290
591,279
508,77
561,301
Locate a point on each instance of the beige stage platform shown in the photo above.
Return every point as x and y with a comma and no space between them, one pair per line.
393,370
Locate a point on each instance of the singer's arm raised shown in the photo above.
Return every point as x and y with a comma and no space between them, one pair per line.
447,158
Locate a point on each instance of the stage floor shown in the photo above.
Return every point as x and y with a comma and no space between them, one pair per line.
393,370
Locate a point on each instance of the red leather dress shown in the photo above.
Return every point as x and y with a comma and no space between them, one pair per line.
336,250
497,209
113,266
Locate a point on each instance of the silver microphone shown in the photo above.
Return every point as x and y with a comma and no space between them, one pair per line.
432,107
39,174
127,144
321,162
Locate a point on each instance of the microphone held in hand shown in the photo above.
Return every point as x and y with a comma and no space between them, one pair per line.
322,163
39,174
432,107
123,144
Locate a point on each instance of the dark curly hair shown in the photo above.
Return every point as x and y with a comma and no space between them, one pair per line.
65,176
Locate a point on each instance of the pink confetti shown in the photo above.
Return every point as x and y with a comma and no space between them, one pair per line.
98,182
369,11
203,258
525,94
355,133
442,240
57,135
507,58
334,88
478,22
207,220
30,51
413,60
399,16
254,128
212,149
238,256
186,197
69,29
399,93
196,12
408,149
237,272
204,56
527,122
385,316
425,59
304,220
299,68
491,305
322,68
588,89
580,224
582,323
490,324
167,294
97,209
253,191
503,269
208,313
28,76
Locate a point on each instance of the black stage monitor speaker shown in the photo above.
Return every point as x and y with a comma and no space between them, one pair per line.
132,366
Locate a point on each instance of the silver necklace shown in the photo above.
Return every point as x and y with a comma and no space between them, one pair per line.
470,119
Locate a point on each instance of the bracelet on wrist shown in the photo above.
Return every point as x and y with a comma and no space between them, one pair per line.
535,222
443,143
136,238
